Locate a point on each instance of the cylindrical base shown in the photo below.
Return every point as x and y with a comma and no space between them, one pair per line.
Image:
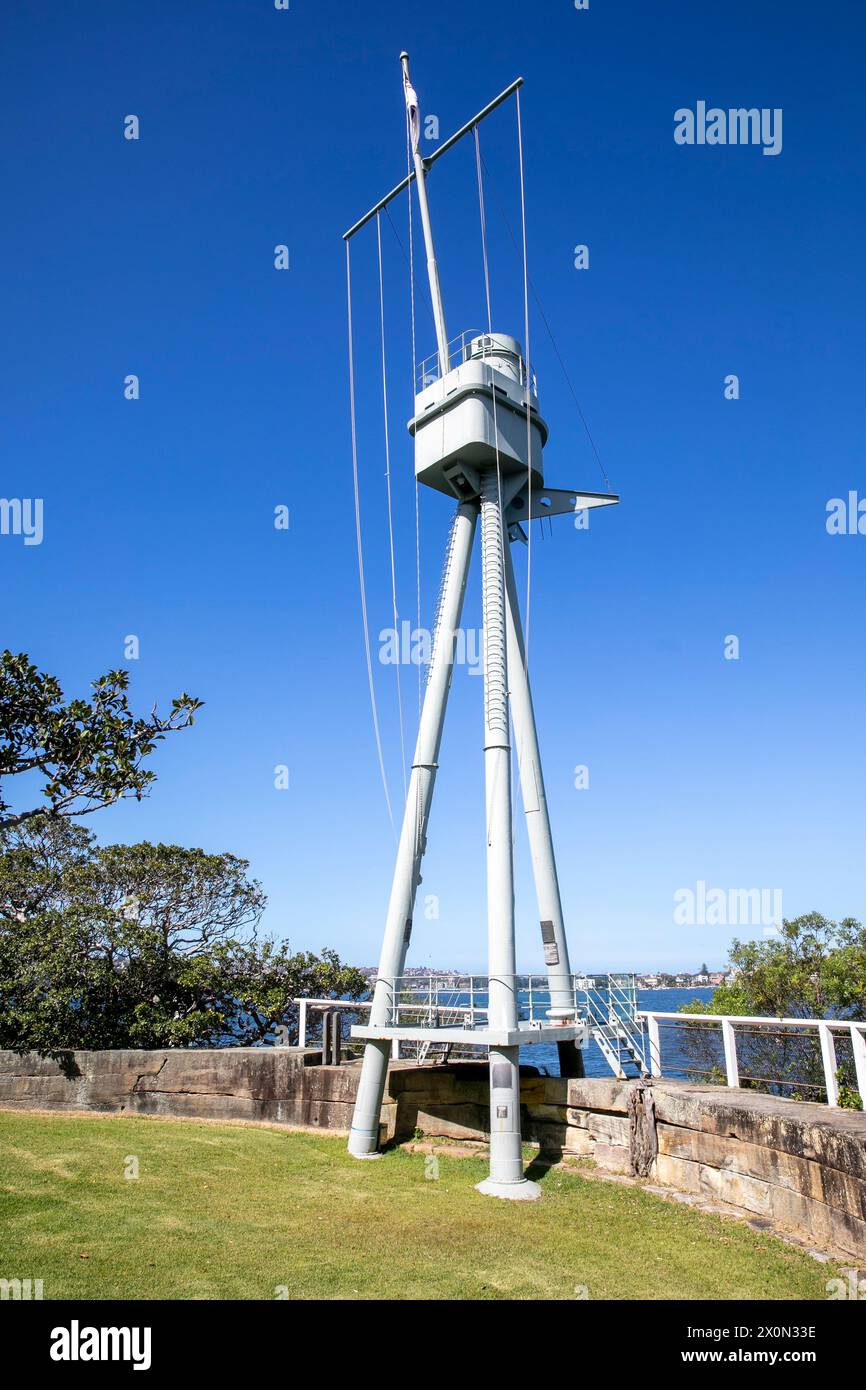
523,1191
364,1134
506,1149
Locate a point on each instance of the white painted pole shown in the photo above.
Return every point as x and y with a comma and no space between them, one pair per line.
655,1045
506,1157
535,806
828,1057
302,1024
729,1039
414,112
364,1136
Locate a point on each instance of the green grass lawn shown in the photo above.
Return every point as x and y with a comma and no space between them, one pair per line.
231,1212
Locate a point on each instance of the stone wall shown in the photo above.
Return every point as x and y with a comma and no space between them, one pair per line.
799,1167
280,1084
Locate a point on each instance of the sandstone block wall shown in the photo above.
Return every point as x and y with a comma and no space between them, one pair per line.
800,1167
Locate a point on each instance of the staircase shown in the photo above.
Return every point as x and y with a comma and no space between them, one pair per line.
606,1003
619,1050
433,1052
611,1010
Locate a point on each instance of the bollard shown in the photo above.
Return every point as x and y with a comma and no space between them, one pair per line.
332,1038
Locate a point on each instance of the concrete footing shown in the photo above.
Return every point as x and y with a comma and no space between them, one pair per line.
523,1191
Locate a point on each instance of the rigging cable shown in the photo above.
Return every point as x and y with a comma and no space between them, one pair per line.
359,541
527,388
399,240
419,827
390,507
483,216
550,334
502,537
414,388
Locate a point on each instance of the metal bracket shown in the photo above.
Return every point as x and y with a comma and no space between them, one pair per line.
549,501
463,479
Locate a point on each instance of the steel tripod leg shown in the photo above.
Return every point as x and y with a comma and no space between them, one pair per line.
364,1136
538,825
506,1155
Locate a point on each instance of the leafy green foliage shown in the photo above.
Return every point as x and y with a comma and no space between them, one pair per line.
141,946
87,753
849,1098
815,968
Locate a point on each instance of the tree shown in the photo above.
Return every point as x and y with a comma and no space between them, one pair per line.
261,981
816,969
40,860
141,946
186,898
89,753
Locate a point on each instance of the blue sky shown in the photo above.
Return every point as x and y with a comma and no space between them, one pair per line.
155,257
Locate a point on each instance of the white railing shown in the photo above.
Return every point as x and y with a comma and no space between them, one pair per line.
434,1014
460,350
436,1000
823,1028
607,1003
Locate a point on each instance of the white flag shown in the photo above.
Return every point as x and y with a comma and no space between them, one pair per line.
414,113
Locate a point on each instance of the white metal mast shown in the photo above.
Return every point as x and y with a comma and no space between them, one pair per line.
479,438
413,115
506,1160
554,940
364,1137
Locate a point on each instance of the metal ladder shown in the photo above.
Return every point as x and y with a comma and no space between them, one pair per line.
615,1028
436,1014
433,1052
613,1041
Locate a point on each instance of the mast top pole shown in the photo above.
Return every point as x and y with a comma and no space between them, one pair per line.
413,113
430,159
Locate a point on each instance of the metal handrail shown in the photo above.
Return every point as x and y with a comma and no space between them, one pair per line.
823,1027
459,351
606,1003
600,997
598,1000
